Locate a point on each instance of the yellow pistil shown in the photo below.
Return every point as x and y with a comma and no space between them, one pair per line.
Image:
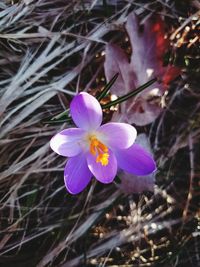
100,150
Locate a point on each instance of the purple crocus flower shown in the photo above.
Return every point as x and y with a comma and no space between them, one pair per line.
96,150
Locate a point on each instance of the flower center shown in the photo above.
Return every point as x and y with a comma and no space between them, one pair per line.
99,150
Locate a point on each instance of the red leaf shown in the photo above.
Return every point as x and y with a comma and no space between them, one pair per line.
171,73
162,44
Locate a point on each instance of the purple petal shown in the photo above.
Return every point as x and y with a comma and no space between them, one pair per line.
119,135
67,142
135,160
76,174
104,174
86,111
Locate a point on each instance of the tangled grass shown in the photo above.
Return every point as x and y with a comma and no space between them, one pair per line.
50,50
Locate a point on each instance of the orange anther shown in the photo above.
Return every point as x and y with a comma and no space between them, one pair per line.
99,149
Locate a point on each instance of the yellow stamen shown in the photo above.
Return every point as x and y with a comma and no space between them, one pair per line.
100,150
103,158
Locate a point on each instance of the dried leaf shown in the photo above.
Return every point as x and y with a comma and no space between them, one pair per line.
148,48
144,49
116,61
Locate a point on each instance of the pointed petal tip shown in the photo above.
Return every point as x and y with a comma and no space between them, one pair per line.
86,111
136,160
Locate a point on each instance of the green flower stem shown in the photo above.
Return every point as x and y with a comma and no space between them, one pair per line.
107,87
129,95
